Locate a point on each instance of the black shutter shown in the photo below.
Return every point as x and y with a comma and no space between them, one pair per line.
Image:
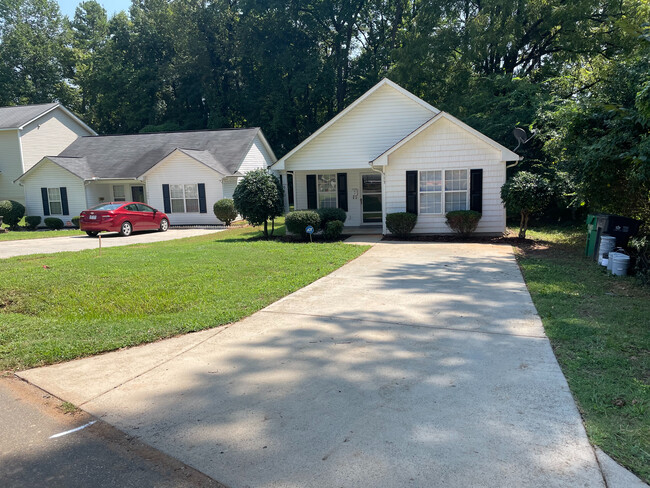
64,200
167,203
412,192
312,198
202,207
46,205
342,189
476,190
290,188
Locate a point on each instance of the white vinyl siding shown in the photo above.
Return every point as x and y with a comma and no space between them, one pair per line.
52,176
11,166
180,169
256,158
365,132
48,136
446,146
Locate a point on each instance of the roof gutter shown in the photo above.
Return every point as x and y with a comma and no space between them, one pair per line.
521,158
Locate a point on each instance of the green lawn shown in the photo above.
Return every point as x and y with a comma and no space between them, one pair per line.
599,326
38,234
59,307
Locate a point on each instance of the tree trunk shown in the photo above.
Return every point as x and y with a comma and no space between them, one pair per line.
272,226
266,229
522,225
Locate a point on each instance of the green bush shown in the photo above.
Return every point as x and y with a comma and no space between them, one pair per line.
258,198
33,221
333,230
12,212
640,251
526,193
330,214
401,223
297,222
225,211
75,221
463,222
53,223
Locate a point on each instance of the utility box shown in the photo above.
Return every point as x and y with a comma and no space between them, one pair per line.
617,226
592,234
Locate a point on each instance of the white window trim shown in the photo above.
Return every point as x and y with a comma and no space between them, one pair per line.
198,199
336,190
50,201
443,191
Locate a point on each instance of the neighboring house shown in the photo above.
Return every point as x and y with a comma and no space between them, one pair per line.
29,132
182,173
390,151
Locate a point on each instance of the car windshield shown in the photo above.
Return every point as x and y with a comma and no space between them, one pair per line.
107,206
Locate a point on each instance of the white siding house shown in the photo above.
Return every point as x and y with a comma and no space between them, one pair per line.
390,151
180,173
27,134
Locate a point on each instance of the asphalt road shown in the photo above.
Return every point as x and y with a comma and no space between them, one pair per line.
98,456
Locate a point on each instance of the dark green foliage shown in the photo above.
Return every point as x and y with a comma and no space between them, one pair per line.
297,222
53,223
329,214
258,198
640,252
333,230
526,193
33,221
75,221
225,211
12,212
401,224
463,222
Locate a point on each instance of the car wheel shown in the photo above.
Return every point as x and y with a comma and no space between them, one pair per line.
126,229
92,233
164,225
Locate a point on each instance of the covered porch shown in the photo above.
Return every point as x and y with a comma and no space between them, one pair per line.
114,190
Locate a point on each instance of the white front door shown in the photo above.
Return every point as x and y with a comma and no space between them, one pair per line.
371,203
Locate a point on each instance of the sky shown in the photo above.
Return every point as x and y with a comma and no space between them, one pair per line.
112,6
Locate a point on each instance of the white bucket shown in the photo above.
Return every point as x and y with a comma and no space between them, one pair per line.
610,260
607,243
621,263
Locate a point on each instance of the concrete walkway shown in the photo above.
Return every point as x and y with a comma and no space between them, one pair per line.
415,365
49,245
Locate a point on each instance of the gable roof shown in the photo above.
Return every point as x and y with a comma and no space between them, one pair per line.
506,154
12,118
131,156
384,82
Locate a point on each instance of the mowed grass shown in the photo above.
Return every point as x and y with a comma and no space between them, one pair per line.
59,307
599,327
19,235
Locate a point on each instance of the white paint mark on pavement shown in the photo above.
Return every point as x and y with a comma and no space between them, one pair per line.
61,434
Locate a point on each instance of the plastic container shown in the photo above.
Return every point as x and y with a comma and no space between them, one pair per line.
606,245
621,264
610,260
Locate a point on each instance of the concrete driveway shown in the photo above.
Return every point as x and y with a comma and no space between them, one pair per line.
415,365
49,245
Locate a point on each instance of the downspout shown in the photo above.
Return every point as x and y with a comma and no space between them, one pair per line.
521,158
383,196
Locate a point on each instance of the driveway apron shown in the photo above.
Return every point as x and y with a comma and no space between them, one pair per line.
414,365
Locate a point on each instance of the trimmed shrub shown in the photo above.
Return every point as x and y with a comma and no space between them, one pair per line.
258,198
333,230
463,222
401,223
33,221
53,223
12,212
225,211
330,214
75,221
297,222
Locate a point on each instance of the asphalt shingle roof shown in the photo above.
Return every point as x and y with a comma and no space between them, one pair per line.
16,117
130,156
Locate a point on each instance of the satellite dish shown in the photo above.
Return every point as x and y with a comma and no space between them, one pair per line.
522,137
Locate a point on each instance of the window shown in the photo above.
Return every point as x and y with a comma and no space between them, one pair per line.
430,192
54,201
144,208
327,191
184,198
118,193
455,190
433,198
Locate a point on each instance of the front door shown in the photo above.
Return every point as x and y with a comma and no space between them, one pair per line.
137,194
371,198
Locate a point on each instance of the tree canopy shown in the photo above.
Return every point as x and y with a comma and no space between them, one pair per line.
578,72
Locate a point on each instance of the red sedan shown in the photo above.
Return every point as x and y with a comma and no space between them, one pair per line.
122,217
